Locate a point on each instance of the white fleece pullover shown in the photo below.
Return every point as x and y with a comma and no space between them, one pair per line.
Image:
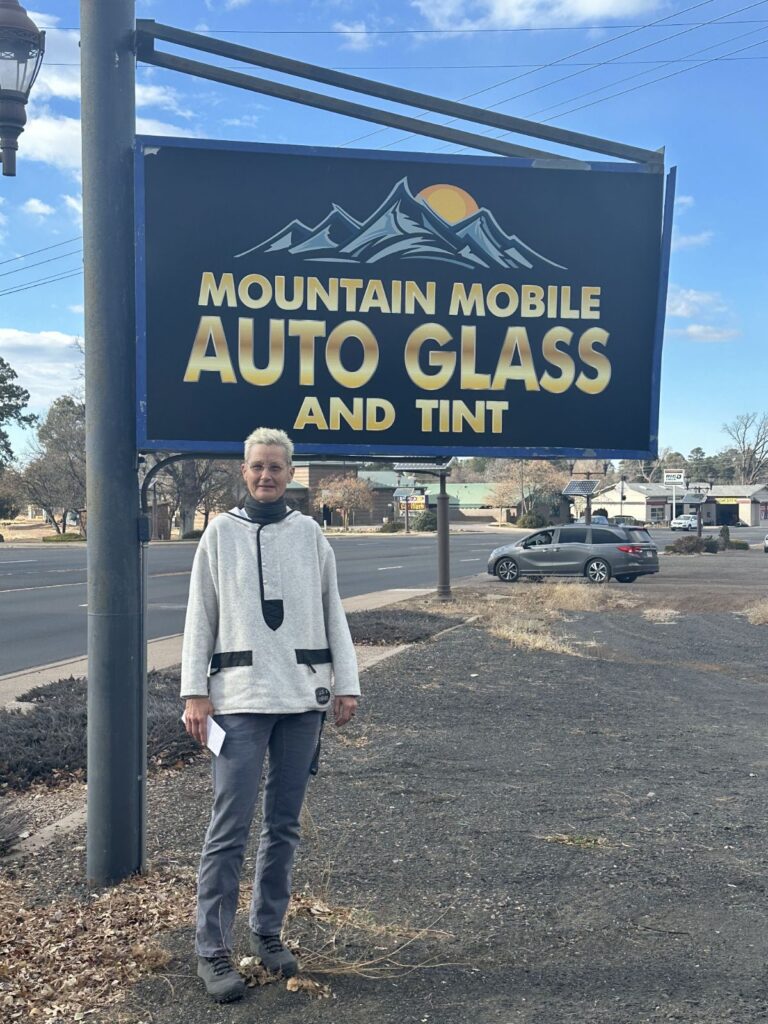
265,630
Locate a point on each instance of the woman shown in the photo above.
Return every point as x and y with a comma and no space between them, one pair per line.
265,641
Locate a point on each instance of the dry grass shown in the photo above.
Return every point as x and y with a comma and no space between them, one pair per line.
573,839
525,613
661,615
757,614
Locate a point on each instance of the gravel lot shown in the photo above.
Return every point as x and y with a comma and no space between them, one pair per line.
538,837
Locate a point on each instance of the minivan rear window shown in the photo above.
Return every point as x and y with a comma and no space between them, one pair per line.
640,536
604,536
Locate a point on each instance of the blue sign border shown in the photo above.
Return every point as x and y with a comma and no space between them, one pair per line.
147,444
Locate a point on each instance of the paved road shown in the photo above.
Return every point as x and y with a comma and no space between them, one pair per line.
43,588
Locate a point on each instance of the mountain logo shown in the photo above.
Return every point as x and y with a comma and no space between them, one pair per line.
441,223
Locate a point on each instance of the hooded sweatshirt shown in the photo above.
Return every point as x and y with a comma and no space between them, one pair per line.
265,630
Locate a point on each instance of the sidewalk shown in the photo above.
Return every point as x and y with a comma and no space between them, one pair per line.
165,652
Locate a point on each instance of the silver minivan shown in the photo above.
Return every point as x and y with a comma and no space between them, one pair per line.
596,552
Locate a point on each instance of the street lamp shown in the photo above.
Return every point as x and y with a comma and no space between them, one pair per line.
22,46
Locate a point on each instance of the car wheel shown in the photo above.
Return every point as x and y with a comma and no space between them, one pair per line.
598,571
507,570
627,577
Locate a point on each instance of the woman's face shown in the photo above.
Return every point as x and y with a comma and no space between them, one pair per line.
266,472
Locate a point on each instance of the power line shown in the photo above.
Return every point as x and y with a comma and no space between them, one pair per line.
41,281
52,259
46,248
662,78
576,74
568,56
415,31
470,67
627,78
643,85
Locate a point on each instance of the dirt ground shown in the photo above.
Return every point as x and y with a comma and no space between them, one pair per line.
555,812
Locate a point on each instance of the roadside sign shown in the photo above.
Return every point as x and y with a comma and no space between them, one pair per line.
389,303
676,476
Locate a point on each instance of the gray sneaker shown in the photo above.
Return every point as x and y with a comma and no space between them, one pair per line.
273,954
222,982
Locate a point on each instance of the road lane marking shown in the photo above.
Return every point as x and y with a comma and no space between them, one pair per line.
49,586
383,568
17,561
82,583
470,559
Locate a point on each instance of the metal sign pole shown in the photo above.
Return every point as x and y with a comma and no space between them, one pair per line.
116,748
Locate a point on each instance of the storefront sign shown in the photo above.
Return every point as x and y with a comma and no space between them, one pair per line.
376,303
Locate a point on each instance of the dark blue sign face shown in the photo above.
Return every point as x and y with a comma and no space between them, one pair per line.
370,303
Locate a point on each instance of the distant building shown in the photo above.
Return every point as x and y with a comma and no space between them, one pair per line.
724,504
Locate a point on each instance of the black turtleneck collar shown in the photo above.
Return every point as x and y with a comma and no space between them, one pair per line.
263,512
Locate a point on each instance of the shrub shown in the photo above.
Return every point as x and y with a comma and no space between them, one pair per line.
192,535
391,528
47,743
693,546
425,520
62,538
531,521
11,826
601,512
724,539
738,545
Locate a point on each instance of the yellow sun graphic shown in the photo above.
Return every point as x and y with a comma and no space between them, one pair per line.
449,201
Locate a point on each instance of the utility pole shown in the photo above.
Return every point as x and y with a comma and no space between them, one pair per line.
116,715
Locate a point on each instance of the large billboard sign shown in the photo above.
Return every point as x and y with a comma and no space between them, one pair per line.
378,303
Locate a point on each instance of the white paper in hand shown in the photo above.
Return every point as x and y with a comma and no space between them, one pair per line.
215,736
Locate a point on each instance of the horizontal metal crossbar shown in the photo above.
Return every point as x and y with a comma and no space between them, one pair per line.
148,31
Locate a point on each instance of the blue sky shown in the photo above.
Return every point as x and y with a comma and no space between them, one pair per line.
630,70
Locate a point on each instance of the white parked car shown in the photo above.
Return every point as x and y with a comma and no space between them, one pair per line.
686,522
765,544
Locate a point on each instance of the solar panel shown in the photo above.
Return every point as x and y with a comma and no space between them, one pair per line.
581,488
694,499
423,467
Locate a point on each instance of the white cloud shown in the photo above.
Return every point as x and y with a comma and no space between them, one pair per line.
162,97
47,363
148,126
52,139
37,207
232,5
355,34
689,303
707,332
80,308
683,203
75,206
691,241
60,74
466,14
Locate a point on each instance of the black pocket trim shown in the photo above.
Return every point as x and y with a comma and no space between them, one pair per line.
313,656
229,659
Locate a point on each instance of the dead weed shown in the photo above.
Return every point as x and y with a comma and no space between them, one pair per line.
661,616
757,614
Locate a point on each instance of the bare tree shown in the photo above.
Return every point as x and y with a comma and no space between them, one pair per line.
344,494
54,477
505,494
749,433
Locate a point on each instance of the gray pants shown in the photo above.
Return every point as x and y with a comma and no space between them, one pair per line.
291,741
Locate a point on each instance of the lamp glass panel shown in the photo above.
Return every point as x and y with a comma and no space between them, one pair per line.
20,56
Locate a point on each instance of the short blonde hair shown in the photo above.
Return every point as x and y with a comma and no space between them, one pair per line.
269,435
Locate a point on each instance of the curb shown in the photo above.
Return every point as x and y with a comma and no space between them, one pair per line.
164,652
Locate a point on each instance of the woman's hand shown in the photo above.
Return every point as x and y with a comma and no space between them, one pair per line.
196,711
343,709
